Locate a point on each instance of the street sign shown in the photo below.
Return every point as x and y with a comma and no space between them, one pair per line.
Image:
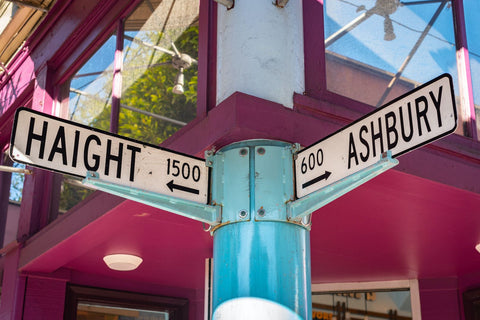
415,119
67,147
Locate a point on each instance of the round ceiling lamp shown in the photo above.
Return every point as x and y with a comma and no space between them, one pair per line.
122,262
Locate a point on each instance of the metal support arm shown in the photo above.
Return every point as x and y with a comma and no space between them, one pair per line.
193,210
300,208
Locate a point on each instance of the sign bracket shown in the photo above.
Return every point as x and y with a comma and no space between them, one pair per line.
302,207
190,209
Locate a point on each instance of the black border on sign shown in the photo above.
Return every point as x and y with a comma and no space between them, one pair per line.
394,101
14,131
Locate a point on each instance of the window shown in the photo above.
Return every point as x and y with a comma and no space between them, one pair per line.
377,300
90,89
16,186
472,15
377,50
85,303
141,82
384,304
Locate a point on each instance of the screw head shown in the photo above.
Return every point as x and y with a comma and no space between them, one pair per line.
243,152
261,151
243,214
261,212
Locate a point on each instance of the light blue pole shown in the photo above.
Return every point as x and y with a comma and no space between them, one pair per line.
261,235
257,251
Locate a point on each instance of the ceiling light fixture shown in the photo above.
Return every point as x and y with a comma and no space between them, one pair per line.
477,247
122,262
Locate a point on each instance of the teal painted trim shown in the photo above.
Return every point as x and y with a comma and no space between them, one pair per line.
193,210
302,207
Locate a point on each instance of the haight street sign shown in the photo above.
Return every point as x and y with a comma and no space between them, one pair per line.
67,147
415,119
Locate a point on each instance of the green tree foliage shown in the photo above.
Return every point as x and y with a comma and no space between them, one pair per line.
152,92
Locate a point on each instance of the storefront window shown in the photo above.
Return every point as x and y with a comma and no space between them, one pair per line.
16,186
159,76
148,78
86,303
71,193
472,14
377,50
87,311
391,304
91,88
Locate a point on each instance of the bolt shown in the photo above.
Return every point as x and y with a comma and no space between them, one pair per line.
243,152
261,151
261,212
243,214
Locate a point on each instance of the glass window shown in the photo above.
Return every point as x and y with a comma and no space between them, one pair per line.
150,81
159,75
472,15
88,311
91,88
377,50
72,192
86,303
16,186
391,304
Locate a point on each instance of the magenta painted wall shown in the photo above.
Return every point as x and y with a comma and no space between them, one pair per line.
44,299
440,299
55,48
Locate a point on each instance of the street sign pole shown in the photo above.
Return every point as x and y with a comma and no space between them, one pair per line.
257,251
260,195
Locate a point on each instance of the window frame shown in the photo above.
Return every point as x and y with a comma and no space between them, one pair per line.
411,285
315,65
75,294
99,31
107,19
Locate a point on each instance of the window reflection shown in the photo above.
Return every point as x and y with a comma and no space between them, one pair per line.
86,311
159,77
377,50
91,88
376,305
151,81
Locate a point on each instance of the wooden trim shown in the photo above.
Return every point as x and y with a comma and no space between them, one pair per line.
177,307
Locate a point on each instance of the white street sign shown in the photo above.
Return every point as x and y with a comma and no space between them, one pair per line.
71,148
415,119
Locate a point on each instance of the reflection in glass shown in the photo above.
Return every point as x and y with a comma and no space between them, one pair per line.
472,15
91,87
159,76
72,191
156,85
371,305
87,311
16,185
377,50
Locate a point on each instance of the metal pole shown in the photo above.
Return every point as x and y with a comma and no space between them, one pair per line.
258,252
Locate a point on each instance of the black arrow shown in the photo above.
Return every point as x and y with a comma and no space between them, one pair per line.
315,180
172,186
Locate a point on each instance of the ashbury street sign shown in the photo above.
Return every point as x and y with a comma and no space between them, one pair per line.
71,148
415,119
